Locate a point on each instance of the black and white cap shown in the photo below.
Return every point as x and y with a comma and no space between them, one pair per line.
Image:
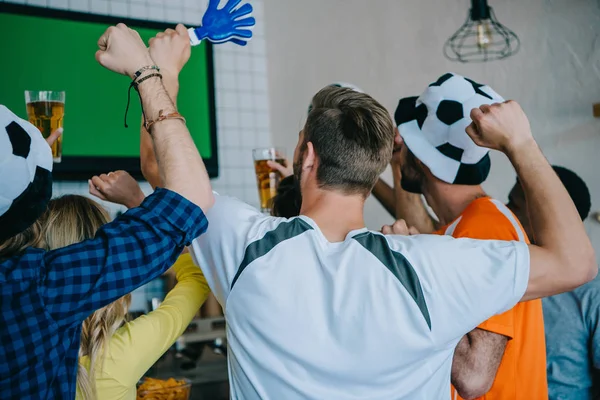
433,128
25,174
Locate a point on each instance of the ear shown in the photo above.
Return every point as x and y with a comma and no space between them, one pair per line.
309,157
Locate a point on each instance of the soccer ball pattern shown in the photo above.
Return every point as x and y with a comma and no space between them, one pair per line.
433,127
25,166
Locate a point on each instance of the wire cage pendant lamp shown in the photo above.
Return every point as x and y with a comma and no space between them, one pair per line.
482,37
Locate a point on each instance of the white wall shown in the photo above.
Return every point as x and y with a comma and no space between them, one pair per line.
393,49
241,88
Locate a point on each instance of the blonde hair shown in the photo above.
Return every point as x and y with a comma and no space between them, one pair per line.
72,219
30,237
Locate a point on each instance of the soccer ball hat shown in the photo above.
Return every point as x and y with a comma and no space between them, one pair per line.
25,174
433,125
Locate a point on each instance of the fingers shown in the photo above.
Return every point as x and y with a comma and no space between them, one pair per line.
485,108
103,46
245,22
106,179
242,11
103,41
413,231
213,4
170,32
231,5
472,131
386,230
242,33
100,184
54,136
400,227
280,168
239,42
181,30
476,115
94,191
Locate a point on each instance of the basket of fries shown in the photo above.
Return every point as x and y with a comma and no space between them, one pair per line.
159,389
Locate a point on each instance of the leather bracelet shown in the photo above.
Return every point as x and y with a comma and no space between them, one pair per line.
136,84
163,117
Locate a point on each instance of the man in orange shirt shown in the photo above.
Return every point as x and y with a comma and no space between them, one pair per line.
504,357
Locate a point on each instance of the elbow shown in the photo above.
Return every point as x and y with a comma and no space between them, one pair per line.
210,201
592,268
151,174
477,385
585,267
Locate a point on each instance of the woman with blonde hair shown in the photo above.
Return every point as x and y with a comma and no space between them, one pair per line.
115,354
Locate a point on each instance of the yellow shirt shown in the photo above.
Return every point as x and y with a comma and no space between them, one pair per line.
138,344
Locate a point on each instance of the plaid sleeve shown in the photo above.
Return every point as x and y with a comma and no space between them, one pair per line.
125,254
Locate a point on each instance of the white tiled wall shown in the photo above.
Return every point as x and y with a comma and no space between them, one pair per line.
241,87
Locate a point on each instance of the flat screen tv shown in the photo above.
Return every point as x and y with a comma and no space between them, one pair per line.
46,49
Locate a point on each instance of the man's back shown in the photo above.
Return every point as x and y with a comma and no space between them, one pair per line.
371,317
522,372
572,322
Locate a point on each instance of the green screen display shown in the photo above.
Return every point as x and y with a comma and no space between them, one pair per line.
57,53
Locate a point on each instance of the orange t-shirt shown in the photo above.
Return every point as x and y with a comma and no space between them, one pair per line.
522,371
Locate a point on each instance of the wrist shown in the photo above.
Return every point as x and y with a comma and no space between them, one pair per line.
143,63
521,147
136,201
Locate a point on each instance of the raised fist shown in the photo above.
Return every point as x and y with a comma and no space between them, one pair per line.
399,228
171,49
500,126
117,187
122,50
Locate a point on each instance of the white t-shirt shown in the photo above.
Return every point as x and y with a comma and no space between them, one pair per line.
372,317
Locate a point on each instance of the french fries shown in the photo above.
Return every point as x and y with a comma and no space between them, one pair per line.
158,389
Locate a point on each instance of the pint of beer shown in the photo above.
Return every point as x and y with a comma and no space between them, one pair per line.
46,110
267,178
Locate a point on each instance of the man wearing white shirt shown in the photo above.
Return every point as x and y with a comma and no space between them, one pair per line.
319,307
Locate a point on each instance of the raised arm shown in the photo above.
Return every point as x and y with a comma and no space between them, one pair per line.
563,257
409,206
403,205
125,254
179,163
170,50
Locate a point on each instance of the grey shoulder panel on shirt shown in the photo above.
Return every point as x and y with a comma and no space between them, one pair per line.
259,248
399,266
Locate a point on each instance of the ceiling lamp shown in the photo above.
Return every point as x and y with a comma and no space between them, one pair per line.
481,38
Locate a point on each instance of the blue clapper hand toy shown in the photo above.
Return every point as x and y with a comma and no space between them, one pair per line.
227,24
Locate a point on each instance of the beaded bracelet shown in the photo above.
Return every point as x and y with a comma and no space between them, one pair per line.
146,68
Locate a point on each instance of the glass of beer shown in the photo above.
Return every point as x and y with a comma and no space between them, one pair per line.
46,110
267,178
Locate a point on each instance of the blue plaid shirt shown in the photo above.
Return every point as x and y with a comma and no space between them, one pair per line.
45,296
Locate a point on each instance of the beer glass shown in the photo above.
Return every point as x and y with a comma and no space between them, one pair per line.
46,110
267,178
